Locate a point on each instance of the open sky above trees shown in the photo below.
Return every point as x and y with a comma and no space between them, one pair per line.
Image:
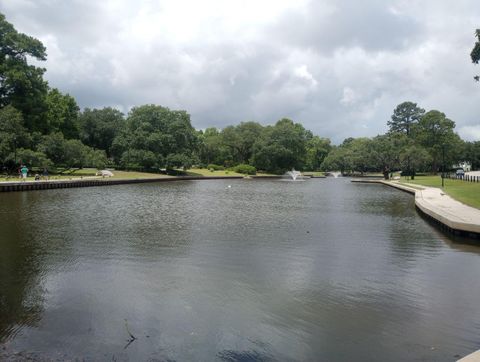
338,67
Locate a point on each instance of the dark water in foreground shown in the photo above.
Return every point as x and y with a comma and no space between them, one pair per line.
321,270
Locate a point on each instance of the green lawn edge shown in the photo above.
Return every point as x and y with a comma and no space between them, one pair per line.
463,191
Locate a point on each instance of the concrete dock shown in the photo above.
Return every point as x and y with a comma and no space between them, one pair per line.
433,202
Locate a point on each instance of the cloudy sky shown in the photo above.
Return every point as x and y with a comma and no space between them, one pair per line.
338,66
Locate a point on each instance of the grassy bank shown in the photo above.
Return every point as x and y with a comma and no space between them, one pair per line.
466,192
205,172
118,174
314,173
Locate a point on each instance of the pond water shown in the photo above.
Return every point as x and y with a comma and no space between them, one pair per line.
263,270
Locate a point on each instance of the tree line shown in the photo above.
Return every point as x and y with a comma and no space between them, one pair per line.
44,128
416,141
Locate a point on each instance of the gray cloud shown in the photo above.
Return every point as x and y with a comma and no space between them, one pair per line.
328,25
339,67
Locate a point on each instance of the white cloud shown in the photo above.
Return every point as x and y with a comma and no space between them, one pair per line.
470,133
339,67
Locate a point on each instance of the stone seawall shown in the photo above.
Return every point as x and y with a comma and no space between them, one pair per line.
63,184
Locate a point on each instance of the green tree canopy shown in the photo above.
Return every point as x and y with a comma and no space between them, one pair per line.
240,140
213,150
281,147
471,154
99,127
62,114
317,149
340,158
13,134
21,84
435,132
404,117
414,158
475,54
158,130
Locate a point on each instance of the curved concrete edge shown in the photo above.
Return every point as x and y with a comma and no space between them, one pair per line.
443,216
473,357
450,219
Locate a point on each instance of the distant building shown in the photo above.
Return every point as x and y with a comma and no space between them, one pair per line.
466,166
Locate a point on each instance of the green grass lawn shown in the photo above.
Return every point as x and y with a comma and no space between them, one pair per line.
314,173
90,173
78,172
466,192
117,174
206,172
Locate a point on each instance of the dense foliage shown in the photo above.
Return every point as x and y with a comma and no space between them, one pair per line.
45,128
416,141
475,54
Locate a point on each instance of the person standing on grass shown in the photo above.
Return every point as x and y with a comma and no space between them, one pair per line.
45,173
24,171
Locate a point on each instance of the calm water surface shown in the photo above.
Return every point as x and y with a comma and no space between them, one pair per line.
321,270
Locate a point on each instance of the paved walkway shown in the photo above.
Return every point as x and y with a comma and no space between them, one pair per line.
438,205
434,202
474,357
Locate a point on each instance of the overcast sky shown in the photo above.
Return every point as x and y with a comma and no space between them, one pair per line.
337,66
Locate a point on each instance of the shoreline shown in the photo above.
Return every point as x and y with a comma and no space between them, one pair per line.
17,186
450,214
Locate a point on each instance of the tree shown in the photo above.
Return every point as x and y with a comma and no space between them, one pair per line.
71,153
353,155
475,54
99,127
435,133
178,160
281,147
240,139
21,84
385,152
414,158
53,145
338,159
13,134
360,153
212,149
317,149
471,154
95,158
158,130
140,159
62,114
404,117
31,158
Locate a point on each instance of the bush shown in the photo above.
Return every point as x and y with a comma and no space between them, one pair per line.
245,169
215,167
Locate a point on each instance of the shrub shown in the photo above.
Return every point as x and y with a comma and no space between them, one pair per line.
245,169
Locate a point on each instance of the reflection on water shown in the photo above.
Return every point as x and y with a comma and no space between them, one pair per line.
261,271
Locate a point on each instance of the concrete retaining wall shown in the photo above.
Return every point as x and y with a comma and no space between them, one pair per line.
449,219
62,184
